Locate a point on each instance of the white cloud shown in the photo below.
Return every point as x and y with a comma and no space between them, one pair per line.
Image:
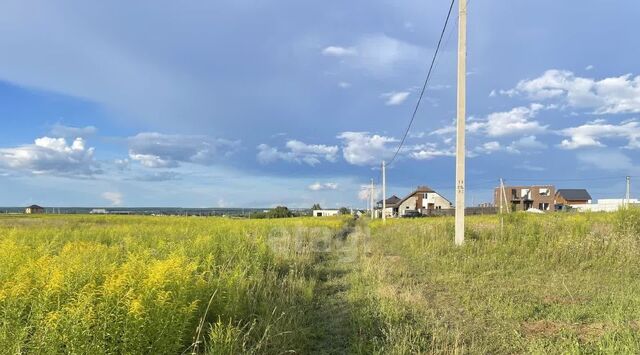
589,67
299,152
515,122
528,144
591,134
344,85
153,161
62,131
361,148
115,198
336,51
50,155
379,54
429,151
607,96
157,150
446,130
489,147
395,97
317,186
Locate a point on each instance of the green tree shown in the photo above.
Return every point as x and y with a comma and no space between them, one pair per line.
316,206
344,210
280,212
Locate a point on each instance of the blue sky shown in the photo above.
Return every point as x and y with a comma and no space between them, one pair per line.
252,104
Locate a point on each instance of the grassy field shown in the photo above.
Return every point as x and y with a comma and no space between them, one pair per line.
142,285
557,283
541,284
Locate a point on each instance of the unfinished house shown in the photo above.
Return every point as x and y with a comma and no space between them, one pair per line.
522,198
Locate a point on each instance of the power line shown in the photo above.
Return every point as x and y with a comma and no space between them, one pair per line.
426,82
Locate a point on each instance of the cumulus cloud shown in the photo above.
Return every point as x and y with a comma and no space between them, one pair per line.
50,156
514,122
526,144
592,133
362,148
115,198
395,97
317,186
299,152
157,150
488,147
607,96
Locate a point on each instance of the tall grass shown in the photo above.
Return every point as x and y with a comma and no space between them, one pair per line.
556,283
143,285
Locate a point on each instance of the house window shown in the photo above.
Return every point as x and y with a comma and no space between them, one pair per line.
544,192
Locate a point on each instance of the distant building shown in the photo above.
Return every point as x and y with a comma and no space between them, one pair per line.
98,211
325,213
522,198
34,209
423,200
571,197
391,205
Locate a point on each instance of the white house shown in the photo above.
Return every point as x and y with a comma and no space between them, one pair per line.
423,200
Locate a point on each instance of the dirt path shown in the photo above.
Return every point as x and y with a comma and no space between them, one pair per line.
331,312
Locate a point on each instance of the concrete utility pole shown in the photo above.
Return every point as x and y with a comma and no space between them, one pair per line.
628,195
372,201
384,192
461,117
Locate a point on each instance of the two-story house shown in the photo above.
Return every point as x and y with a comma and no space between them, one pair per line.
423,200
522,198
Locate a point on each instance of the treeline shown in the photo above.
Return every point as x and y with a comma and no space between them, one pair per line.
285,212
278,212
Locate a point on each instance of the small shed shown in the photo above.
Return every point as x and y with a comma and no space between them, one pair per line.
34,209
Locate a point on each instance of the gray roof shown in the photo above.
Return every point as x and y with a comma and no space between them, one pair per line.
574,194
393,200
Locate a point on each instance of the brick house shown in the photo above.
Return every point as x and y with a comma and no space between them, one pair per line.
522,198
